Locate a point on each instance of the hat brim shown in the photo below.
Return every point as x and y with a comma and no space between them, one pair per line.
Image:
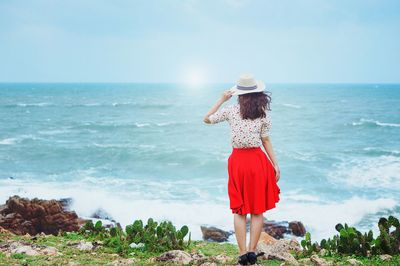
260,88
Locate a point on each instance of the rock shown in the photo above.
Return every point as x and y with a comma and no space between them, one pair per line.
297,228
353,261
175,256
274,229
66,203
83,245
23,216
129,261
199,258
222,259
323,252
279,250
318,261
5,231
100,213
385,257
19,248
305,261
50,251
266,238
215,234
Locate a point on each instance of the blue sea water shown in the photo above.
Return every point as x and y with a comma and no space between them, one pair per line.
142,150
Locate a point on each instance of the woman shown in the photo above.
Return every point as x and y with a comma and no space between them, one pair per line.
252,183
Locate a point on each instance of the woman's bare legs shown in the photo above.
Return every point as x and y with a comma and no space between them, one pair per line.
240,231
256,225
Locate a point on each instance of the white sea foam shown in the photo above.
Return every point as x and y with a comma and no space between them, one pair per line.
319,217
142,124
41,104
17,139
291,105
373,172
8,141
54,131
299,195
363,121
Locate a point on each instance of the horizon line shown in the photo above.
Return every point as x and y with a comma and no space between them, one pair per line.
184,83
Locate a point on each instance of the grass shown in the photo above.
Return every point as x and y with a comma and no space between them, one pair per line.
105,256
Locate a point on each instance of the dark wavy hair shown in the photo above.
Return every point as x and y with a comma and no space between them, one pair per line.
253,105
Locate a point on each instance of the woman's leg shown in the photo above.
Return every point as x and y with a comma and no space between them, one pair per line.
256,226
240,231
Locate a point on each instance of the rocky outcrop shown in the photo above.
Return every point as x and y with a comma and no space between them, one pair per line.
275,229
278,249
100,213
175,256
297,228
215,234
23,216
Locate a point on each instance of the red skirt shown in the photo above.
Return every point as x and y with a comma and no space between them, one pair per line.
252,186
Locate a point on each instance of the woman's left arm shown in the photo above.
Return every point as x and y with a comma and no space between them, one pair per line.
266,142
226,95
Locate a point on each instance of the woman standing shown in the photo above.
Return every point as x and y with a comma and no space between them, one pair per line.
252,183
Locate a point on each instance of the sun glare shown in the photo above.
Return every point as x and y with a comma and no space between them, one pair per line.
194,77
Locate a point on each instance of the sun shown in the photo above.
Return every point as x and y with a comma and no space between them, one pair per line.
194,77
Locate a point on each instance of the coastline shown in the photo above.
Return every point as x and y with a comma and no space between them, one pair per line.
37,232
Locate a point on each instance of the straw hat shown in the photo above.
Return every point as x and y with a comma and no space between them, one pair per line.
247,84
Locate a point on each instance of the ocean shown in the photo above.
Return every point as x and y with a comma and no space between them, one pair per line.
142,150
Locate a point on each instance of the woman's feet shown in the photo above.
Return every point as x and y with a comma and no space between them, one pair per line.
251,257
243,260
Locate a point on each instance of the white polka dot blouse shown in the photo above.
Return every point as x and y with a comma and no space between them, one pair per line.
245,133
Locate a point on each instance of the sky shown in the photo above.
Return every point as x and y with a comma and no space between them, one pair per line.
200,41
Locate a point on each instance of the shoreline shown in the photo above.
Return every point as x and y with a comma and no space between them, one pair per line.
34,230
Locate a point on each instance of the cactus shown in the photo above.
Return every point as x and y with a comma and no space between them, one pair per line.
157,236
350,241
308,246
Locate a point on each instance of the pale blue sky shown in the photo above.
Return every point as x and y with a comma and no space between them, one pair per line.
204,40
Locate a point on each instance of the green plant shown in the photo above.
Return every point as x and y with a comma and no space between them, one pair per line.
154,236
308,247
90,229
157,237
350,241
387,242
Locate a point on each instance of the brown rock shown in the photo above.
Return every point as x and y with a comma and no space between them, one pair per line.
23,216
214,234
274,229
280,250
318,261
175,256
5,231
266,238
297,228
50,251
222,258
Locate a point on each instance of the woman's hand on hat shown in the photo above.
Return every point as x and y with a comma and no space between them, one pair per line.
226,95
